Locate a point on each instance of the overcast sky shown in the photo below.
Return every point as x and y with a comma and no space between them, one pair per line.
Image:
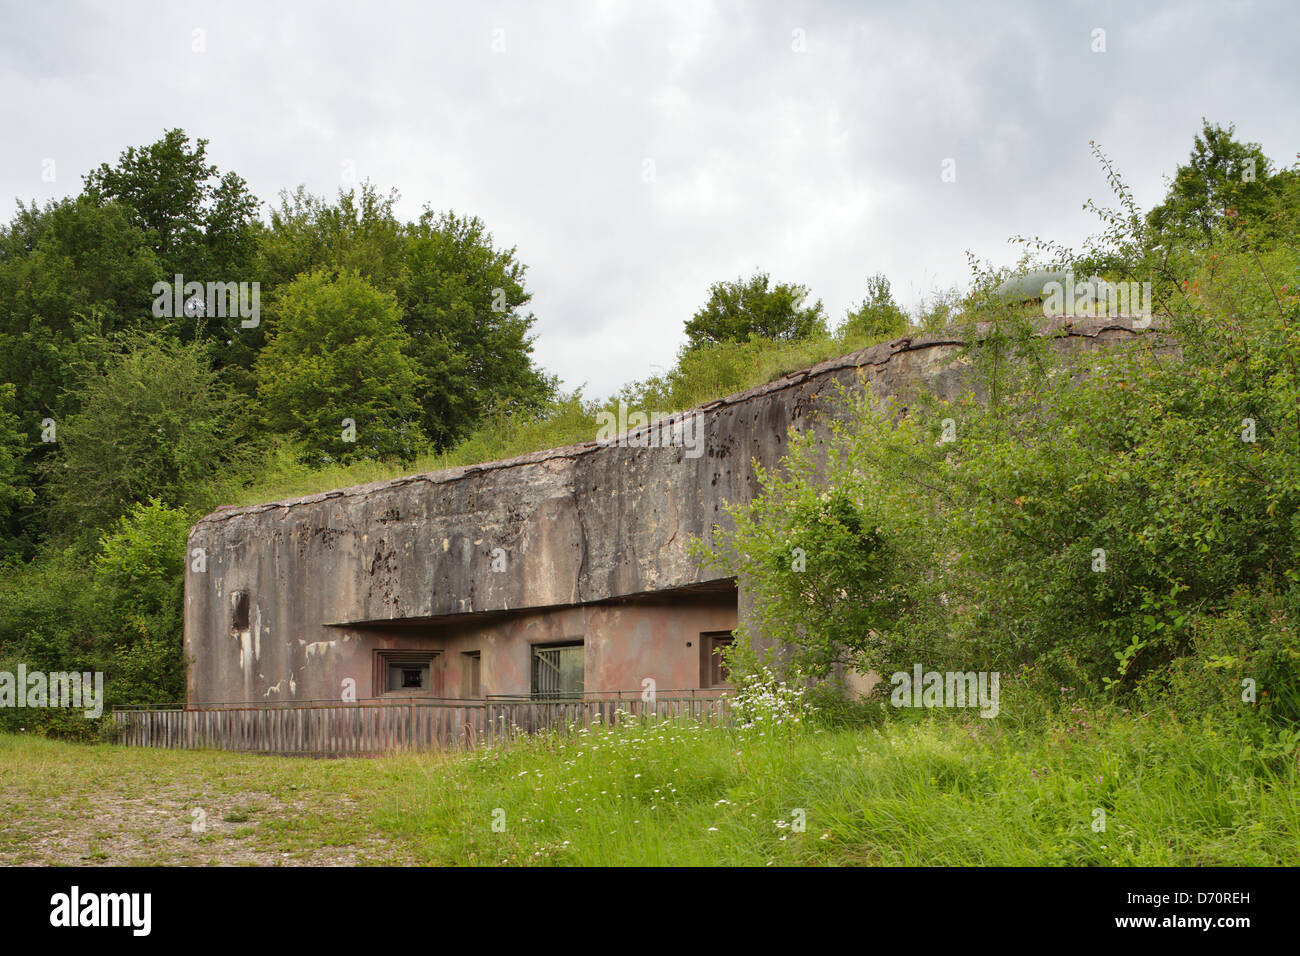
637,152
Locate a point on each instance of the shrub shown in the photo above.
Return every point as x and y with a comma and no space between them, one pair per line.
1094,519
156,422
140,575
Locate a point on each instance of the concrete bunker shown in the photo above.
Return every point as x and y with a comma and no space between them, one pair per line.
563,572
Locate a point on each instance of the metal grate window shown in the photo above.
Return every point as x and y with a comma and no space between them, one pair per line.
558,670
407,676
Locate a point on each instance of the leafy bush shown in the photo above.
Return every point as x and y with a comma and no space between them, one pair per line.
1091,520
14,492
1244,659
746,308
140,577
118,611
878,316
155,421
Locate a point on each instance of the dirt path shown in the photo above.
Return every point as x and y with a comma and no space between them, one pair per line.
173,825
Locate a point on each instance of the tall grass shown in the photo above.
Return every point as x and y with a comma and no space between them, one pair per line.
927,790
935,792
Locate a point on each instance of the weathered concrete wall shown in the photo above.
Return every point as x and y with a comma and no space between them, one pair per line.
577,526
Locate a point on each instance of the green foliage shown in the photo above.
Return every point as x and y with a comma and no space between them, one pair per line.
742,308
141,558
836,555
878,316
139,577
45,607
1089,518
117,609
360,232
14,490
461,304
1244,660
71,269
1102,521
200,223
936,313
48,623
338,354
154,421
461,299
1225,182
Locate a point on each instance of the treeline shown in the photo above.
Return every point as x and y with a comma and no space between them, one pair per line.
164,345
338,312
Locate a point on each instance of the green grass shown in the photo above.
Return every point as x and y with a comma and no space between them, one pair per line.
708,374
930,792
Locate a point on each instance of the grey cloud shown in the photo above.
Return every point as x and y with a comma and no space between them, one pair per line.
820,167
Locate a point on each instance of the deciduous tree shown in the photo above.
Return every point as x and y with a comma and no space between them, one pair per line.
741,308
335,372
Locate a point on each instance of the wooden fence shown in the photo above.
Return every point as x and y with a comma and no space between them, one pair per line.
323,728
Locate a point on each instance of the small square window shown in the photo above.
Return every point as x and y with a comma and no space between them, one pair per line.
404,673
